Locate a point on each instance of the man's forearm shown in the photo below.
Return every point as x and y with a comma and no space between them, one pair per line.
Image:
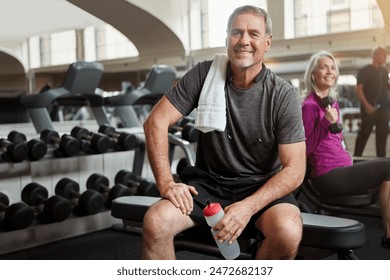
281,184
158,154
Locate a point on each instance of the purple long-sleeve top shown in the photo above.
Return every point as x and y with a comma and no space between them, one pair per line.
324,150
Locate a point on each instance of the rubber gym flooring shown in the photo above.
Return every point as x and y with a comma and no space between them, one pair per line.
109,244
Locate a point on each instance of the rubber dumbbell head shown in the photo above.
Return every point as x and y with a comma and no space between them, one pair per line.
336,128
55,208
100,183
182,163
186,119
125,141
190,133
108,130
36,148
16,152
187,129
148,188
16,137
66,145
119,190
326,101
99,143
89,202
126,178
17,215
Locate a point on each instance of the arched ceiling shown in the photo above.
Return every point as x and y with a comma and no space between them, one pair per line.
9,65
150,35
384,5
22,19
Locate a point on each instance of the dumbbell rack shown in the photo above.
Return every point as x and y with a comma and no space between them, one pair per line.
39,234
48,171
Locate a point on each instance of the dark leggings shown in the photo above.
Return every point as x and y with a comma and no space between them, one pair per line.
356,179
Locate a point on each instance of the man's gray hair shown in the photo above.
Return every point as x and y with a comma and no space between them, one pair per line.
255,11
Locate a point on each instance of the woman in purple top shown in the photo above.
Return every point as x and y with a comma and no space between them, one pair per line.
331,169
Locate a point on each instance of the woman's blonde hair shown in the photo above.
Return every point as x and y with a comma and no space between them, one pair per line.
309,82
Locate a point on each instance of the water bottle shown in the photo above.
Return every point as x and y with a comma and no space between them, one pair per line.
213,213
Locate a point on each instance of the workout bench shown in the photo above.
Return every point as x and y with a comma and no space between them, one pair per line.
325,235
363,204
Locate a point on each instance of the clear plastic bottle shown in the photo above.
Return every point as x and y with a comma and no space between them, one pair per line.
213,213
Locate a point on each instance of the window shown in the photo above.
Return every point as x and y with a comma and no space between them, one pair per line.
100,43
63,47
112,44
332,16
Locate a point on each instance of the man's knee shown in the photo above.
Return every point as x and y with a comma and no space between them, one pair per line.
282,231
156,221
164,220
291,237
283,243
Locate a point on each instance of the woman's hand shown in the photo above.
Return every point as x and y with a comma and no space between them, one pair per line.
331,114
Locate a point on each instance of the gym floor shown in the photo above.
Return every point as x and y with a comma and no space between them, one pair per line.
110,244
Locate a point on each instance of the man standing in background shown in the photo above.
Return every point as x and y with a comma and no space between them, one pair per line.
372,90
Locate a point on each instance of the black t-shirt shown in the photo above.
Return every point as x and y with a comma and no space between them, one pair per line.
375,84
258,119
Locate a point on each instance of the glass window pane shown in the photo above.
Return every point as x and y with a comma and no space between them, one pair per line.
112,44
63,47
334,16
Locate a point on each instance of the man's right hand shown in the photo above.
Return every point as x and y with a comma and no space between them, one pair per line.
180,195
369,109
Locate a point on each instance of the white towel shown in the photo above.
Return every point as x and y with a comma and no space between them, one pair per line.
211,111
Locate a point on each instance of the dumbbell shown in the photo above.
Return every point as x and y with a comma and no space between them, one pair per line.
334,127
16,152
36,148
181,164
99,143
17,215
126,178
147,188
55,208
100,183
125,141
144,187
89,202
187,128
65,145
85,146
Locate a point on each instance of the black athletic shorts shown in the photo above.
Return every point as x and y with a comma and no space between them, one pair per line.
225,192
